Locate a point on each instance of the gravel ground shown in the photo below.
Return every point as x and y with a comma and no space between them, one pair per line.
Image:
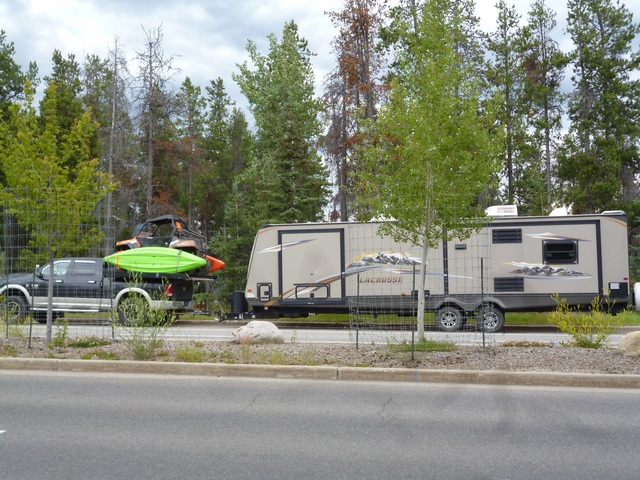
522,357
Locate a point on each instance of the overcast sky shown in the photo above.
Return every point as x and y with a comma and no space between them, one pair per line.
207,38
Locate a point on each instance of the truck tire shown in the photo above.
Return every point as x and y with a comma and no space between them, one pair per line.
133,310
449,319
490,319
15,308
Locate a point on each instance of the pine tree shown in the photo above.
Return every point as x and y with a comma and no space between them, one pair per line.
12,78
189,123
544,66
599,157
280,91
506,76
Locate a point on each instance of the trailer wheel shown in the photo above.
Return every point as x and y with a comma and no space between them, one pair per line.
449,319
490,319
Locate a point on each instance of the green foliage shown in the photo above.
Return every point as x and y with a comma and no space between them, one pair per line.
590,329
286,178
54,185
283,179
189,354
8,312
431,154
143,341
601,148
218,170
100,355
145,332
62,331
506,75
134,309
8,350
87,342
543,65
12,79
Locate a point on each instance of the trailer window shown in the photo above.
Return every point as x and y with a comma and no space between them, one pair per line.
560,252
506,235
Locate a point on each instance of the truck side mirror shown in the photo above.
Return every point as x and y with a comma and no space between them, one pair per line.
40,272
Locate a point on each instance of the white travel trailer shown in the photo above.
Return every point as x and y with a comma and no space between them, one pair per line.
512,264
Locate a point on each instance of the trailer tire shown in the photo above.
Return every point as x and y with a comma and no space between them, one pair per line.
490,319
449,319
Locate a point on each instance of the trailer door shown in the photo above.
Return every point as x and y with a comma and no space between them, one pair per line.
311,266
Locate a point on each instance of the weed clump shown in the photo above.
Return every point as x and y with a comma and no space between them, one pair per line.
190,354
588,329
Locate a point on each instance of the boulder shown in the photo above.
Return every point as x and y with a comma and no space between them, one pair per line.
630,344
258,332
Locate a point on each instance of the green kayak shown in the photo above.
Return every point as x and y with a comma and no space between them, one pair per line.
156,260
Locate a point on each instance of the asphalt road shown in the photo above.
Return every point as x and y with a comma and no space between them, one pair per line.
106,426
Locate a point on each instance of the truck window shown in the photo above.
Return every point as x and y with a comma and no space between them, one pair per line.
560,251
59,268
83,267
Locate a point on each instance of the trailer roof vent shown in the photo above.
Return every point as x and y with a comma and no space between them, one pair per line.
614,212
502,211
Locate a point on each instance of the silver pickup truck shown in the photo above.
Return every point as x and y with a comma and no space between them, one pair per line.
87,284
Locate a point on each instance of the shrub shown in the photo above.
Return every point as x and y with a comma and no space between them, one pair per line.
144,336
62,330
590,329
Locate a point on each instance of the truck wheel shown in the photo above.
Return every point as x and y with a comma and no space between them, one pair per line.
449,319
133,310
490,319
14,309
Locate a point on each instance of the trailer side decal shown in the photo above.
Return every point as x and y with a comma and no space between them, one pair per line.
543,271
284,246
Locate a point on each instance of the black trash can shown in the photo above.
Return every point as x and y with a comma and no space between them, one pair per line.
239,304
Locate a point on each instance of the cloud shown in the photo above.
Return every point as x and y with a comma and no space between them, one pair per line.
206,38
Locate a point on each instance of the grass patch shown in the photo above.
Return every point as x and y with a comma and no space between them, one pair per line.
9,351
527,318
87,342
101,355
190,354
